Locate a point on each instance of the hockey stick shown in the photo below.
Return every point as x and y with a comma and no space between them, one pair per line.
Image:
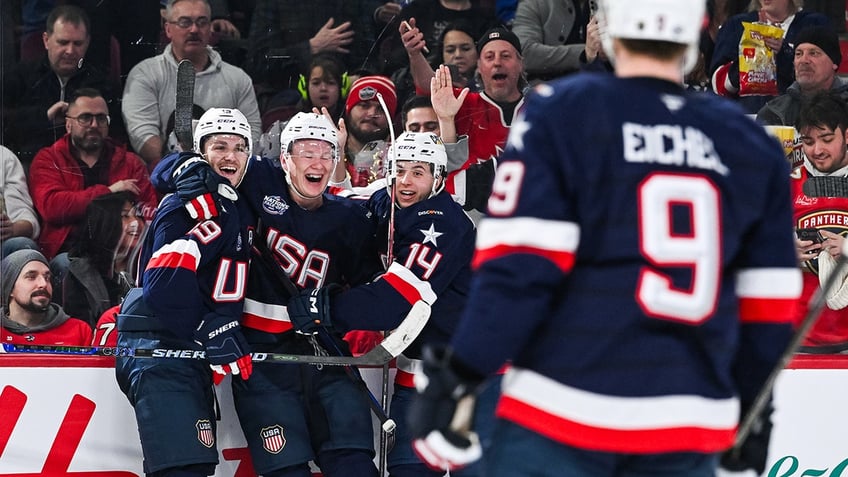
184,104
814,309
383,353
391,179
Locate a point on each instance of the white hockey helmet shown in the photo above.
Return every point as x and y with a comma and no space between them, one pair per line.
421,147
222,121
309,126
675,21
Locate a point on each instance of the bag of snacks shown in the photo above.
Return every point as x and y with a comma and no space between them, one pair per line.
757,67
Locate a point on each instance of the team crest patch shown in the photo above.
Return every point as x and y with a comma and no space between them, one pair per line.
273,439
205,434
274,205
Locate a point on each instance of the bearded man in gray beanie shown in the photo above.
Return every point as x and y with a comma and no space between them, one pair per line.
28,314
817,60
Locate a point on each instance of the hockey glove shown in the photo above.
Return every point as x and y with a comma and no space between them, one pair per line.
226,348
440,416
310,310
754,450
478,184
199,186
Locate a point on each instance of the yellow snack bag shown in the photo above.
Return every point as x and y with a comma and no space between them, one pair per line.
757,67
791,142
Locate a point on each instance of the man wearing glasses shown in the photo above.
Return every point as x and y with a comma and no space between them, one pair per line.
83,164
150,92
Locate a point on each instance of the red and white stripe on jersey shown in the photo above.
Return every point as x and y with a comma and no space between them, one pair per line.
769,295
265,317
409,285
202,207
638,425
180,253
552,239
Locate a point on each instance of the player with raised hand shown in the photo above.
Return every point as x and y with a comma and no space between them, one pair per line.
191,296
641,285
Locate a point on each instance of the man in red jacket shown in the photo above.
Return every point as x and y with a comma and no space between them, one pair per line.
85,163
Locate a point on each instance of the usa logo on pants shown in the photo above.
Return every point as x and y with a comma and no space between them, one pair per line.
205,434
273,439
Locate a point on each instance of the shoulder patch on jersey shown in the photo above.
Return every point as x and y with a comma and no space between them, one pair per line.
430,212
274,205
430,235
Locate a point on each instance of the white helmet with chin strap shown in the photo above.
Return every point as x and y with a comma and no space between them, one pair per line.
675,21
309,126
222,121
421,147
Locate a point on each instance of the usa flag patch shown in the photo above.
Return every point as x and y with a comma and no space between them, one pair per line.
205,434
273,439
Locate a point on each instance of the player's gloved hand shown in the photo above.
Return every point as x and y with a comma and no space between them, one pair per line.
310,310
199,186
478,184
226,348
440,416
754,450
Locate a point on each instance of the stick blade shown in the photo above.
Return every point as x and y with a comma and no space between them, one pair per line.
184,104
406,332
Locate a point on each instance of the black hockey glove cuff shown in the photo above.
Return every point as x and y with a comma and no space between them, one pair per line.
753,452
478,184
310,310
441,415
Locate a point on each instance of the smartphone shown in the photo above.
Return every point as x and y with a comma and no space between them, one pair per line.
810,234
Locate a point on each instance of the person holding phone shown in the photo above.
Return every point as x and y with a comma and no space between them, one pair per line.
821,216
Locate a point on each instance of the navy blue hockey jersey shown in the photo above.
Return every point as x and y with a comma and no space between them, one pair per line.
194,270
637,265
331,244
433,246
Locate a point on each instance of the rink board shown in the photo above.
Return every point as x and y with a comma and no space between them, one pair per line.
65,416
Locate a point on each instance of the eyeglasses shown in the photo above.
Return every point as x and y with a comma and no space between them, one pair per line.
186,22
85,119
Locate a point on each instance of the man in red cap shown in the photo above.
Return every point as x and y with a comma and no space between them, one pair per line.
367,128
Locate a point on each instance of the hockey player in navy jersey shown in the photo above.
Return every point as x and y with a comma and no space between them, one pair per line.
640,282
191,295
293,414
433,245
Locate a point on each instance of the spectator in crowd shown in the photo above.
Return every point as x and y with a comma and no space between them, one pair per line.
431,17
83,164
19,225
27,314
35,93
823,126
123,33
99,273
150,91
553,36
325,85
367,129
817,59
786,14
458,49
285,34
485,116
